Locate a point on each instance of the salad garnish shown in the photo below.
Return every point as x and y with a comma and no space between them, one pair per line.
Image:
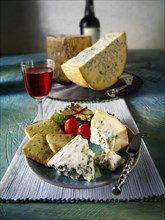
82,114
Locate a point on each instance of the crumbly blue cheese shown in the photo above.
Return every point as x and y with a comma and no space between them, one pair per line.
99,66
109,160
108,132
75,160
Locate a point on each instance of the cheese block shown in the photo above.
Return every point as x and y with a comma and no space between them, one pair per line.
108,132
62,48
75,160
109,160
99,66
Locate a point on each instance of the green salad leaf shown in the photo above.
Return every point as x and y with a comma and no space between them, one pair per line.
59,118
83,114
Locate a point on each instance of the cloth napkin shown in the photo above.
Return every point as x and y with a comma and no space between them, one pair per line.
144,182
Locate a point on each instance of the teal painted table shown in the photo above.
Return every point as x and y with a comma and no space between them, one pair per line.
147,106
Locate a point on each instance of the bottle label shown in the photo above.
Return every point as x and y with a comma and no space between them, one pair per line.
93,32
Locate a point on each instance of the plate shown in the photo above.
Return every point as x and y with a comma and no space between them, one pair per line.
50,175
72,92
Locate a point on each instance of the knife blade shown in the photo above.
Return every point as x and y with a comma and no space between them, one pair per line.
133,150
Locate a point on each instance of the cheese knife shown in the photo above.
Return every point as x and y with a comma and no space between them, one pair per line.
133,150
128,79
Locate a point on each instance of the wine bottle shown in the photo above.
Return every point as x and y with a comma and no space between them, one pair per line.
89,24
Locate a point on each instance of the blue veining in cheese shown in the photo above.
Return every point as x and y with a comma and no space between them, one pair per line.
75,160
108,132
99,66
109,160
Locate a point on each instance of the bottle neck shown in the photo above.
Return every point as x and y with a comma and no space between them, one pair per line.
89,8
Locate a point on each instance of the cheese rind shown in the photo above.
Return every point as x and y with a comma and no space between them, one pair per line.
99,66
62,48
75,160
108,132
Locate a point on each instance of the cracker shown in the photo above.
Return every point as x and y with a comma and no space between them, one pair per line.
57,141
38,149
43,127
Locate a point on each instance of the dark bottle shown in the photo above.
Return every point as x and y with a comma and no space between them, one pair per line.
89,24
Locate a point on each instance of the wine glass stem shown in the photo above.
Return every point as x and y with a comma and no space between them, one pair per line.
40,109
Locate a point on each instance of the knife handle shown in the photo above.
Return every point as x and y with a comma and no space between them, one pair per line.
113,92
116,190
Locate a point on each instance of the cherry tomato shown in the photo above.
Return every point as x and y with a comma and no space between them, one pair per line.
71,126
84,131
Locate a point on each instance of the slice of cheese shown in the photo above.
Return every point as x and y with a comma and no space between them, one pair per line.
109,160
99,66
108,132
75,160
62,48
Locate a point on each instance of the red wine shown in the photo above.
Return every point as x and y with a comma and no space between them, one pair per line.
89,24
38,81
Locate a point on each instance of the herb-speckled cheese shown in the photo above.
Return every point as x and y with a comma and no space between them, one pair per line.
75,160
99,66
108,132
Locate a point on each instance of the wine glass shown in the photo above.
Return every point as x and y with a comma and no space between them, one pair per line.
37,76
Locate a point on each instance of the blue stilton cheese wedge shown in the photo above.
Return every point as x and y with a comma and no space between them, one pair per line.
109,160
99,66
75,160
108,132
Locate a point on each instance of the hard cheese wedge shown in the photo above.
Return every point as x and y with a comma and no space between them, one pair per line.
108,132
75,160
63,48
99,66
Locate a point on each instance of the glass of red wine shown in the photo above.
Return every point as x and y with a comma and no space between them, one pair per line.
37,76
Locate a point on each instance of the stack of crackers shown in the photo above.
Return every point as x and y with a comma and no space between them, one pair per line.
46,138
